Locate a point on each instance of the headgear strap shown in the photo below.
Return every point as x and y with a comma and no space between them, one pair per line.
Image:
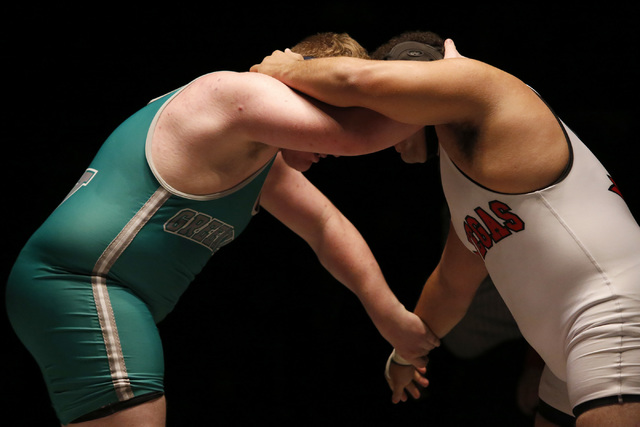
416,51
413,51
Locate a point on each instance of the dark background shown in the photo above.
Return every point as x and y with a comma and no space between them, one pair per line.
265,334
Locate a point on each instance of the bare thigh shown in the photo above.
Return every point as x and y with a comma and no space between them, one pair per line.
620,415
148,414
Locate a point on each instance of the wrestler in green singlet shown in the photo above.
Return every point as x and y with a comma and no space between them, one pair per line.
108,264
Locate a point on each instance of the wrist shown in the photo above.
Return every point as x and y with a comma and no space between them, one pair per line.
395,359
399,360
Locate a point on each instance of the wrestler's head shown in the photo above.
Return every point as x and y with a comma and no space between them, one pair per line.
324,45
411,46
321,45
414,46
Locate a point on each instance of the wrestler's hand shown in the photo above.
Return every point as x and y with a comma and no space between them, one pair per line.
403,379
450,50
410,336
275,63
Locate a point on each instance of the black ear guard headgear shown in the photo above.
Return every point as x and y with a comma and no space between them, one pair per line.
416,51
413,51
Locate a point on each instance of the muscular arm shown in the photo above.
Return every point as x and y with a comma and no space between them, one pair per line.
521,145
451,287
427,93
293,200
443,302
255,107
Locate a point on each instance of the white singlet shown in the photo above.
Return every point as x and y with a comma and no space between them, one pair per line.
566,261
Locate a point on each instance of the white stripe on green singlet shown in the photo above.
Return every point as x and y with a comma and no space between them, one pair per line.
106,317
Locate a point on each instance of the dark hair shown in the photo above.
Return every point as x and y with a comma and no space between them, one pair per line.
413,49
426,37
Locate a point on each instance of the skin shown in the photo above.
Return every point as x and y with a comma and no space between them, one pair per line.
225,126
149,414
493,127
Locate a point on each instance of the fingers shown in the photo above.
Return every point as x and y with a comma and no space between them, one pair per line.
435,341
418,378
405,381
450,50
398,395
294,55
420,362
413,388
432,339
278,58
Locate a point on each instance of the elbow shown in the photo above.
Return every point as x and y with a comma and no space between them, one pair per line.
355,81
358,145
362,83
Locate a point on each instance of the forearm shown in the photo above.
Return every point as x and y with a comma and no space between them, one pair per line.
341,249
330,80
440,307
451,287
425,93
344,253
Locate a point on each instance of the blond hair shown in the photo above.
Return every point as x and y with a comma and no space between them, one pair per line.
323,45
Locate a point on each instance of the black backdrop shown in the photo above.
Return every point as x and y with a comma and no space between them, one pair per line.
276,339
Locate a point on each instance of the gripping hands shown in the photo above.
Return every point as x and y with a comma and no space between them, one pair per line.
403,377
405,374
276,63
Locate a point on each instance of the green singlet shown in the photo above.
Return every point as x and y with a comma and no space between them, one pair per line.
111,261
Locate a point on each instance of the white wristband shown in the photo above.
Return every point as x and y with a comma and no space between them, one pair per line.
395,357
